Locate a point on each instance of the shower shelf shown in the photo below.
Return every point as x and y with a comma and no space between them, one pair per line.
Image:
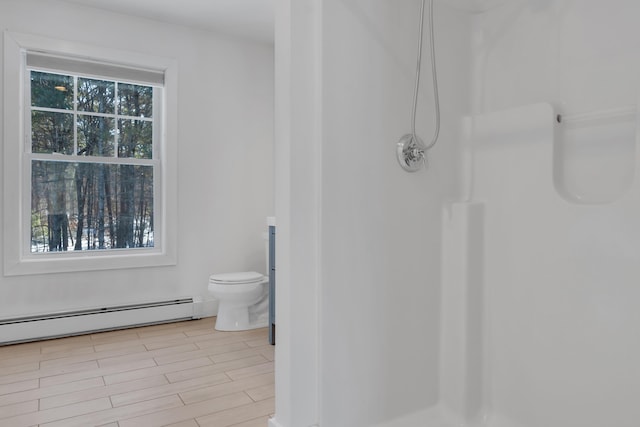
602,140
627,113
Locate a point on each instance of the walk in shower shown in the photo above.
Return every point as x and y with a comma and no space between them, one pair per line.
500,286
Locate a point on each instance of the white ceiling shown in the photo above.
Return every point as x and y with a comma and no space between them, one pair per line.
252,19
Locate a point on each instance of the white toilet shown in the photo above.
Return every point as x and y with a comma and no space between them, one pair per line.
243,299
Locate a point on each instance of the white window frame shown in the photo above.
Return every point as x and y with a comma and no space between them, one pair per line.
18,259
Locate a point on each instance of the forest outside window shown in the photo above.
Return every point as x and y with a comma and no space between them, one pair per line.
89,157
93,163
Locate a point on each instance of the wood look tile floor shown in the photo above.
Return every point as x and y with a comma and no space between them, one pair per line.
183,374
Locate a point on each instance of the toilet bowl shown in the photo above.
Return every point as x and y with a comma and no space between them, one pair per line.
243,300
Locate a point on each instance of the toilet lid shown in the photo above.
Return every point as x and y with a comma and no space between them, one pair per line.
231,278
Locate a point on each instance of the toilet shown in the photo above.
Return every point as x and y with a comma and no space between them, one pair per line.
243,300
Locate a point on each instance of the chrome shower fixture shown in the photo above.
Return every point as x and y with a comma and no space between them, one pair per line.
410,150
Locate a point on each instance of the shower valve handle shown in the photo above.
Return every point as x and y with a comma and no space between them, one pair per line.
410,151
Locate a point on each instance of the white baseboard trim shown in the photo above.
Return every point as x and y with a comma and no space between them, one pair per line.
98,319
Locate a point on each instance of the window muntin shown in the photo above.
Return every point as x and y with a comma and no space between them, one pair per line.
92,154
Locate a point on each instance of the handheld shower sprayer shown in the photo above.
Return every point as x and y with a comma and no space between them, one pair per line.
410,150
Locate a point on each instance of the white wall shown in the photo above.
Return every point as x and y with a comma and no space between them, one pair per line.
373,298
297,162
225,163
580,56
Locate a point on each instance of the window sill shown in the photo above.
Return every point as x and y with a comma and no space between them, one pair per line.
69,262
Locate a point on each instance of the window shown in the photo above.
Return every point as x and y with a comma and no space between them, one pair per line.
93,161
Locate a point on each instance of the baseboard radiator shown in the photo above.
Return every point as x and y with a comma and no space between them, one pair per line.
80,322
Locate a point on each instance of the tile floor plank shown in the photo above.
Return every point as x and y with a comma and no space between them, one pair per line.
18,409
18,387
232,416
55,414
211,406
212,368
95,372
226,338
170,375
115,414
168,389
47,372
211,351
199,395
187,423
261,392
234,355
250,371
94,355
111,361
62,344
97,392
119,377
43,392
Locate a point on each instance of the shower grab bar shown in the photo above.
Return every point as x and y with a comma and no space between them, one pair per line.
614,113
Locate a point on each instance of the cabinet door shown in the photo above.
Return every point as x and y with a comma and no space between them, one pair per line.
272,285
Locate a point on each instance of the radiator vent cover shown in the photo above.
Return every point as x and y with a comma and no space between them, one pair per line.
92,320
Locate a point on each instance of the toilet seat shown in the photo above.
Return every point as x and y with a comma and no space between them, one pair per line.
245,277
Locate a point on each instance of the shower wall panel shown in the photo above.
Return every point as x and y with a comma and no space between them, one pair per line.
553,158
561,297
381,228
